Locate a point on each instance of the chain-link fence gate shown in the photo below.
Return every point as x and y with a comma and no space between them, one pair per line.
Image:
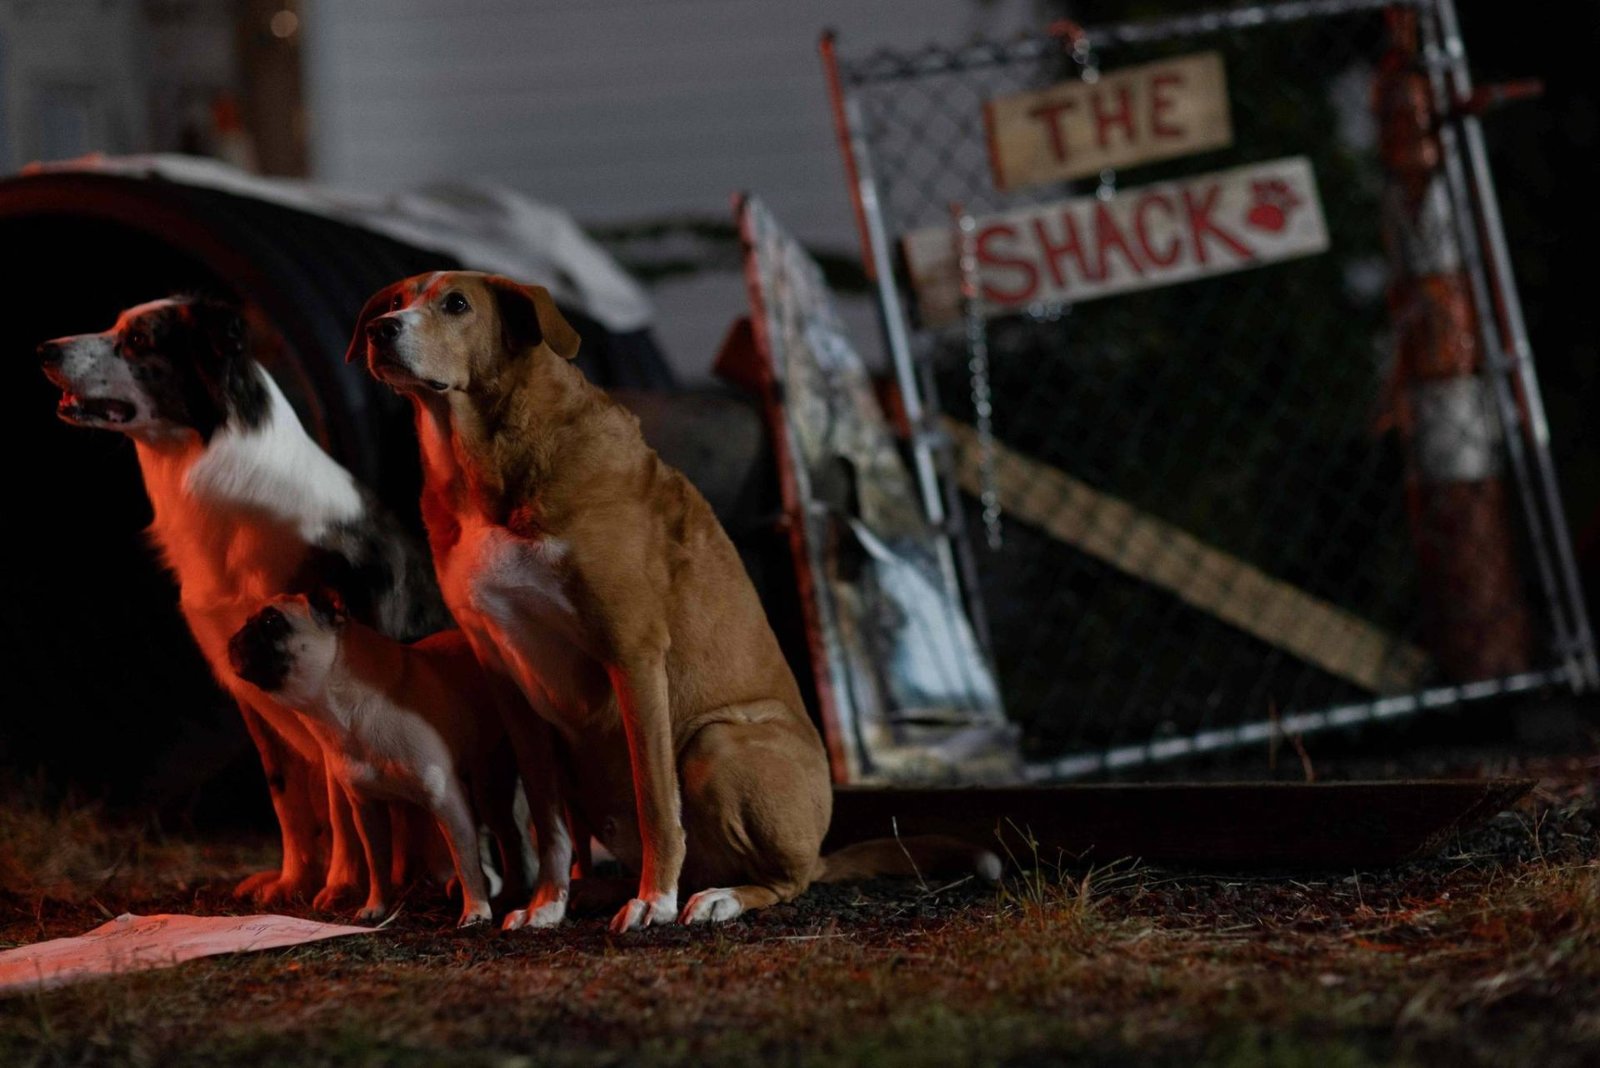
1308,494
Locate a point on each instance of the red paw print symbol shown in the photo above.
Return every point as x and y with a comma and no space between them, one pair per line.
1274,200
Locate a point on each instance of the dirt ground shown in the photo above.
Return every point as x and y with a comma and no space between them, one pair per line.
1488,953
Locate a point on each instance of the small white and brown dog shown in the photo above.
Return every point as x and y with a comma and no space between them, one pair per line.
415,723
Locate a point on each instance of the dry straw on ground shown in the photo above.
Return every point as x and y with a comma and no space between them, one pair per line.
1487,954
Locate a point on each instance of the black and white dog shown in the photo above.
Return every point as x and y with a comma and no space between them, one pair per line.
248,507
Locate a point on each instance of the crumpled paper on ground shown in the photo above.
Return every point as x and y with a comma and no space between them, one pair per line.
132,943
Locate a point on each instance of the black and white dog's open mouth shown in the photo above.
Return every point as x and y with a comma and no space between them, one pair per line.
96,409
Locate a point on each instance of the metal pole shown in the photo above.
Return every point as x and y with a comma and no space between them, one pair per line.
1510,305
1258,732
869,217
828,47
1100,38
1494,354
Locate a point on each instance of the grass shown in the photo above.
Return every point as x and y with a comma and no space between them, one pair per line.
1487,954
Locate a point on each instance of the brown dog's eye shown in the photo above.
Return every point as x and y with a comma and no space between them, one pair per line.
455,304
139,339
397,303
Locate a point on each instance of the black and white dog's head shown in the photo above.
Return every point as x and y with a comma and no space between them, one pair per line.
290,645
166,369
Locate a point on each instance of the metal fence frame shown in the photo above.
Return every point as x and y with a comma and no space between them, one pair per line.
1508,356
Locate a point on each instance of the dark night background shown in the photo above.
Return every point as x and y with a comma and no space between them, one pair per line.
1546,160
196,768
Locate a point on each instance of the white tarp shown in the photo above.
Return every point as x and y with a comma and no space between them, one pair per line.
484,227
132,943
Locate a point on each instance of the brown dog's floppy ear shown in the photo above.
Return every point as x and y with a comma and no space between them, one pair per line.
376,305
529,315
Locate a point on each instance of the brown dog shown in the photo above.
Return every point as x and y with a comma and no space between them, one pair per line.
597,578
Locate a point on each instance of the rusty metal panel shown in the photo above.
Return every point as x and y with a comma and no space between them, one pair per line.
905,691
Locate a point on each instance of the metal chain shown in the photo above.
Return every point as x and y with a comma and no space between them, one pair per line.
1082,54
978,368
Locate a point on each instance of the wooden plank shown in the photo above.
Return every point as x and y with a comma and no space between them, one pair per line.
1154,111
1202,576
1228,825
1157,235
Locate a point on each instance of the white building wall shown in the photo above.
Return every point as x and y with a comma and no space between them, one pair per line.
73,78
111,76
613,109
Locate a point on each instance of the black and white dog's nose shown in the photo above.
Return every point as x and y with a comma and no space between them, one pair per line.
386,328
51,354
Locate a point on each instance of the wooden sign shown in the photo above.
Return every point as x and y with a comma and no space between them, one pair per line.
1156,235
1135,115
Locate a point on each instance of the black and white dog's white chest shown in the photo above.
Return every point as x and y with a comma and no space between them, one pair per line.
260,510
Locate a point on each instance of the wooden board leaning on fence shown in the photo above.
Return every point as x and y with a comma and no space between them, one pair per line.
1215,582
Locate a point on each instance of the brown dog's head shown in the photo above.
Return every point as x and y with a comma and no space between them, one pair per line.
457,330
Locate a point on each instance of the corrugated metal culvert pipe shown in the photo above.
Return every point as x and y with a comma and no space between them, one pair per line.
114,698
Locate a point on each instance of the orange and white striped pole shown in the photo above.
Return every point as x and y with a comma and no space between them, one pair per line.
1475,609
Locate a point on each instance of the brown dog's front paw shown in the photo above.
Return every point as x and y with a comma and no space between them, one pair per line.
372,912
712,906
475,915
644,912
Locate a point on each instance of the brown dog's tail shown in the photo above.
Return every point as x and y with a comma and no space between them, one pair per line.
919,856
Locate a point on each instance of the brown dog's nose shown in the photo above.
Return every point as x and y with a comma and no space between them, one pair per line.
386,328
51,355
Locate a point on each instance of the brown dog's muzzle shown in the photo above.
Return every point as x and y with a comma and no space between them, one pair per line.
384,331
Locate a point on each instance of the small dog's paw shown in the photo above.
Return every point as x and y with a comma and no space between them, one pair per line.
372,913
712,906
335,896
643,912
475,916
547,909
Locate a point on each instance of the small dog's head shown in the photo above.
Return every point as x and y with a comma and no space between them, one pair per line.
166,368
456,331
289,646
